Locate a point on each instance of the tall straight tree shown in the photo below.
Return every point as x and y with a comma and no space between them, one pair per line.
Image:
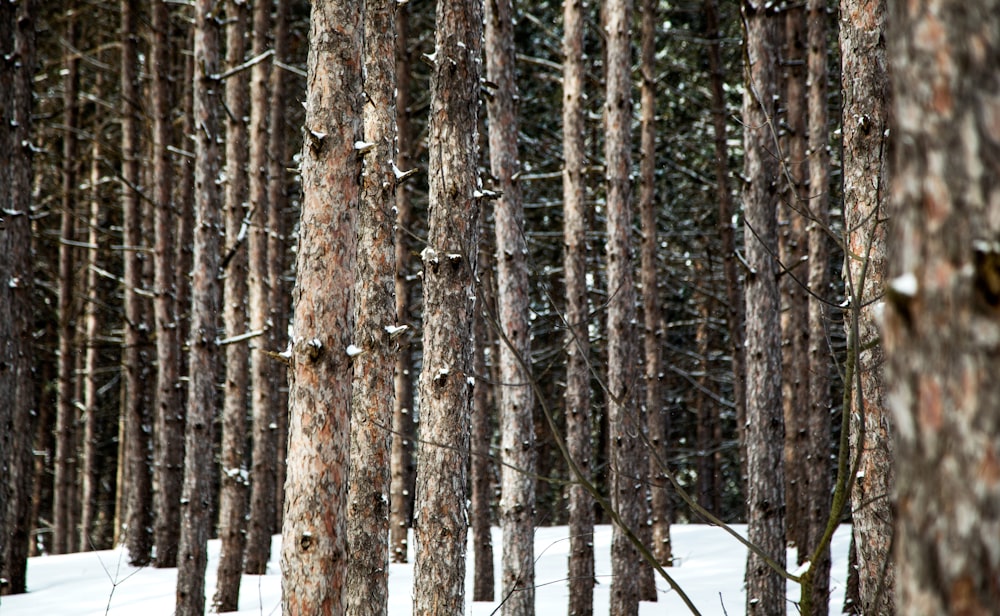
168,451
865,84
765,426
314,537
233,476
942,320
578,418
196,497
375,318
517,429
626,484
136,480
449,263
480,468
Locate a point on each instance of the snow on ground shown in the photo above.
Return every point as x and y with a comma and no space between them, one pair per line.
709,568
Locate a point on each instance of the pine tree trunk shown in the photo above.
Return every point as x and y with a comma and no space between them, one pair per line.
137,478
169,433
402,472
482,436
375,316
199,467
233,477
765,426
260,292
517,430
865,83
942,331
449,265
314,535
578,417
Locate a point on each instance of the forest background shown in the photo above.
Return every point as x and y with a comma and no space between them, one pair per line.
471,267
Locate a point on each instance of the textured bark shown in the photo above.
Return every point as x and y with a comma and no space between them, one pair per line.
375,315
657,414
168,451
578,417
136,483
517,430
314,539
9,338
199,467
626,478
449,265
818,486
794,250
482,433
402,466
235,389
942,322
765,426
64,483
865,84
260,292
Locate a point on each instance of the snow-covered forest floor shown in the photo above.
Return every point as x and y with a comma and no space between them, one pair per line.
709,569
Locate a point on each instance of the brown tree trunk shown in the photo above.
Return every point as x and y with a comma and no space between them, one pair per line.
942,332
136,486
517,430
325,346
449,265
578,417
865,84
482,436
375,317
199,467
625,481
169,432
402,472
233,476
260,295
657,414
765,426
66,451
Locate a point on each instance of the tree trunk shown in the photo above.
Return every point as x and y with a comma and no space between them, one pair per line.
66,420
449,265
517,430
137,485
942,334
625,481
865,83
325,346
765,426
402,472
260,293
196,499
578,417
233,476
375,316
482,436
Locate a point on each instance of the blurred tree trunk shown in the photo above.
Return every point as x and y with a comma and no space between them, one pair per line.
765,426
517,429
375,316
865,83
578,417
169,428
64,488
325,346
449,265
402,471
233,476
199,467
482,435
17,46
817,482
626,484
657,414
135,487
942,331
260,295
